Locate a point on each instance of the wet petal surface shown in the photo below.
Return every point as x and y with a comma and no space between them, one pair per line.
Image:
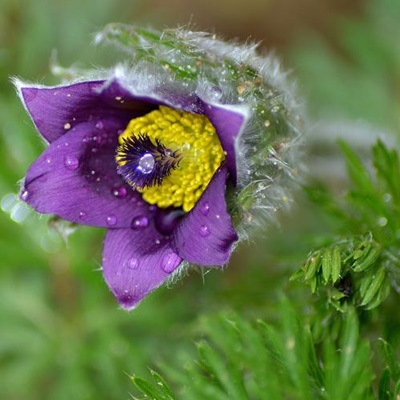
76,179
228,124
205,236
135,262
54,110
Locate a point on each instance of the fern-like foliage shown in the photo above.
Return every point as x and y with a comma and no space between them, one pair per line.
240,360
358,265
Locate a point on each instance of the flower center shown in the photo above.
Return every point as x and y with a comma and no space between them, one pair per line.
144,163
170,156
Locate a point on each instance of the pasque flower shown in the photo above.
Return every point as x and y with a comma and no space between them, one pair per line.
153,150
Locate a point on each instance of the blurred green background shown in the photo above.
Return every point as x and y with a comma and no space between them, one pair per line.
62,335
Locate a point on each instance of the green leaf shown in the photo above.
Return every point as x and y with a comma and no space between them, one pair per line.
336,264
312,265
163,385
391,360
147,388
384,386
356,170
327,264
374,285
365,255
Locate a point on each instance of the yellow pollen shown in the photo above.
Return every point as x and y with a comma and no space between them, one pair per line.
195,139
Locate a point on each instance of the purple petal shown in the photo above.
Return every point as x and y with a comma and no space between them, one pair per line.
206,235
76,179
54,108
228,124
135,262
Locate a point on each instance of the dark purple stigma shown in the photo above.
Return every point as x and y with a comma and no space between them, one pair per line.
143,163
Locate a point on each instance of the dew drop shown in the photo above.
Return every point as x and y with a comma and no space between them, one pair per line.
382,221
204,231
111,220
24,195
169,262
205,208
387,197
132,263
67,126
99,125
140,222
215,92
120,192
71,163
146,164
82,215
125,297
48,159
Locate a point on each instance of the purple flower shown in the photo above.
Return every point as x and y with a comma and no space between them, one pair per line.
94,175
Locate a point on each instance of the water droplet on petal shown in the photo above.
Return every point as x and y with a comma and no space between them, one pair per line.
99,125
111,220
71,163
132,263
24,195
169,262
82,215
120,192
205,208
204,231
47,159
125,297
146,163
140,222
215,92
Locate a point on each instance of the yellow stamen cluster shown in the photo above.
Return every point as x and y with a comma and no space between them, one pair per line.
195,139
